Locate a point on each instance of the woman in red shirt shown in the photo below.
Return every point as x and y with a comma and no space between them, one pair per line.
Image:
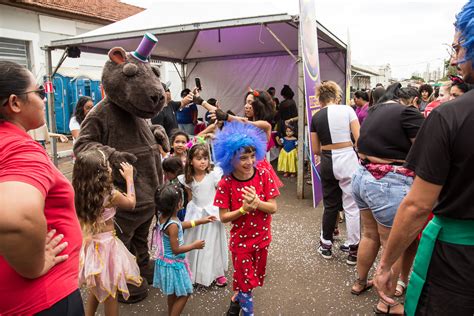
40,236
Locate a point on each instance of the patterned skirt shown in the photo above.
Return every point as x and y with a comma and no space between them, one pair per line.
106,266
173,276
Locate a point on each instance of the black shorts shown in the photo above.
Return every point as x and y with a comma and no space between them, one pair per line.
71,305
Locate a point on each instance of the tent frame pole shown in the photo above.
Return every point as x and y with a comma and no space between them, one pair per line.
281,43
51,110
301,123
335,62
183,76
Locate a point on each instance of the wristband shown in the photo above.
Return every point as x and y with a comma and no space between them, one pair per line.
242,211
221,115
198,100
193,223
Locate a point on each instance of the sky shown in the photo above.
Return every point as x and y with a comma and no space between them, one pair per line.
408,35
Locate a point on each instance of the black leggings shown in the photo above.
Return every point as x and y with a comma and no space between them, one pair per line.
71,305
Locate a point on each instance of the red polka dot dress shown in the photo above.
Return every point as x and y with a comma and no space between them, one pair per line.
250,235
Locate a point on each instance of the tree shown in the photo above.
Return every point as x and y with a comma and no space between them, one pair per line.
416,78
448,70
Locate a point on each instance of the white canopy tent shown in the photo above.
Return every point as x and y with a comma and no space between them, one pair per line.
229,46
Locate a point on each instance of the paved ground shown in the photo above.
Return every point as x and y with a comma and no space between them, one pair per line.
299,281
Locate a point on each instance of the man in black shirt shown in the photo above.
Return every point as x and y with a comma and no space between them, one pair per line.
442,282
167,116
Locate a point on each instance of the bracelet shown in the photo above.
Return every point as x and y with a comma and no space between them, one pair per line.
242,211
198,100
193,223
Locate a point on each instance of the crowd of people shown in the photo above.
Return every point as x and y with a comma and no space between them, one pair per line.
399,173
397,164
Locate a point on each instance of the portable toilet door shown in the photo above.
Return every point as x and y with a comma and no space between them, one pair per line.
96,93
80,86
60,84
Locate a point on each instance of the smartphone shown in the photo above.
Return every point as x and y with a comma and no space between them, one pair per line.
198,83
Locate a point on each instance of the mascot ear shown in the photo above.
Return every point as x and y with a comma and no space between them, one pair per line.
118,55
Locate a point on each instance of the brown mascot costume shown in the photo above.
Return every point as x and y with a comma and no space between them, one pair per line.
118,127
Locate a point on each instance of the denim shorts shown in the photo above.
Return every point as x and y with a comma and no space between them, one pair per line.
381,196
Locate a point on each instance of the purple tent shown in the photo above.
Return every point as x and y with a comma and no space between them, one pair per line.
229,47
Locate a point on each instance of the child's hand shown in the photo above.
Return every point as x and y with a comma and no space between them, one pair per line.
126,171
209,219
63,138
198,244
251,199
249,194
251,206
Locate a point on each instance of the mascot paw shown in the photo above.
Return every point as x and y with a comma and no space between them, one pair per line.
161,137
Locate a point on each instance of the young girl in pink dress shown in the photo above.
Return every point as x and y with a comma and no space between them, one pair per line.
106,266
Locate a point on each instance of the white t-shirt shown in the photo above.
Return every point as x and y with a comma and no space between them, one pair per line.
40,134
332,124
73,124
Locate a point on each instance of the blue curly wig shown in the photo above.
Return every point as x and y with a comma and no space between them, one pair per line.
465,24
232,138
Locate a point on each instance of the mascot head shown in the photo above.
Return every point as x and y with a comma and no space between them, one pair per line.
131,82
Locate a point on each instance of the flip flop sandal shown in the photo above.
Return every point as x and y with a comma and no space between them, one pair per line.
367,286
380,312
400,289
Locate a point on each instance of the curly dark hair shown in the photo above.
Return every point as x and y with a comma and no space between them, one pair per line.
79,111
92,182
263,109
426,87
196,150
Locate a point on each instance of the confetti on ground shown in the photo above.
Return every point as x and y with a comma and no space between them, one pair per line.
298,281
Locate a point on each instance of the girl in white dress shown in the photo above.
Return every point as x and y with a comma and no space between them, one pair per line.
201,179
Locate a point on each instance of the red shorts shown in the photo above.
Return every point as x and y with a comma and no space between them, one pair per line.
249,269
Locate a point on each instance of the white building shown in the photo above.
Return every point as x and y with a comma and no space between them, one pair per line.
27,26
385,75
363,77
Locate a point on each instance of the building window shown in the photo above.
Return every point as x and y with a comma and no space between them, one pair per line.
16,51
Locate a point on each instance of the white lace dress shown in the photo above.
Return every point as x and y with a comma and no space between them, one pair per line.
211,262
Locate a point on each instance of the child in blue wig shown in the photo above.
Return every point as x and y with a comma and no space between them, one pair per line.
246,196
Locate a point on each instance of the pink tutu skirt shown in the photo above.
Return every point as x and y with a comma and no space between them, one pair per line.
264,164
106,266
